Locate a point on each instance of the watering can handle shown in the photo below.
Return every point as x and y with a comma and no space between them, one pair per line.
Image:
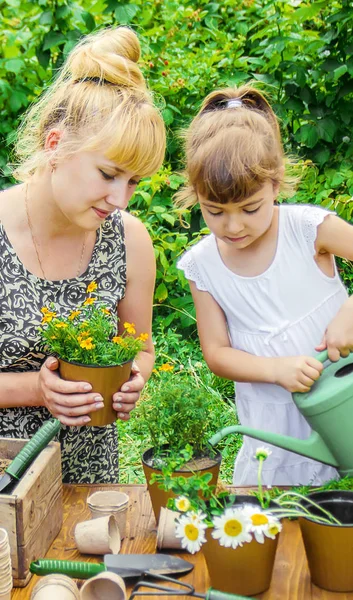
322,356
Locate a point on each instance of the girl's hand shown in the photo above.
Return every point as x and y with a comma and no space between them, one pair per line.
125,400
68,401
338,338
296,373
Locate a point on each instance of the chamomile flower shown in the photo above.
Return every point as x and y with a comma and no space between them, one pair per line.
262,452
191,529
232,529
261,521
182,504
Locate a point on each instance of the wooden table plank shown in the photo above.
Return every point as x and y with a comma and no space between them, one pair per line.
291,580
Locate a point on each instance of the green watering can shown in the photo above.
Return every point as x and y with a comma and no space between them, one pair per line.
328,408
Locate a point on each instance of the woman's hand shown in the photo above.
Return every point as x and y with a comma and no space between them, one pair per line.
296,373
68,401
125,400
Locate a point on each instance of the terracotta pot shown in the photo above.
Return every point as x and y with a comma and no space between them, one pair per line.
98,536
329,548
159,497
110,502
104,586
104,380
245,570
55,587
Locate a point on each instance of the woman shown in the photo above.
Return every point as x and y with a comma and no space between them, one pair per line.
82,149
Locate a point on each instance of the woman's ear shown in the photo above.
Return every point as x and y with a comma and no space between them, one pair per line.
52,139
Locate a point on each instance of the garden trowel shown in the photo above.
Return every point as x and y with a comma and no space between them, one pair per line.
29,452
125,565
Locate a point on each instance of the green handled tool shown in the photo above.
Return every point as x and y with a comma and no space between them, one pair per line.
29,452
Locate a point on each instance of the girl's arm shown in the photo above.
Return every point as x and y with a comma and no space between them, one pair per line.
136,307
335,237
296,374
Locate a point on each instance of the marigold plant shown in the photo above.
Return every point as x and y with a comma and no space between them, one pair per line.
88,335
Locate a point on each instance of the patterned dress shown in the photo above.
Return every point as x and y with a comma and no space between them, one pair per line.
89,454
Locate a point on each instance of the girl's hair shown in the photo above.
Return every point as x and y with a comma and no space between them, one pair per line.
100,101
233,146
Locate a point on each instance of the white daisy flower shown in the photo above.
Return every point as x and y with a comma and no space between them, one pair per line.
191,529
262,523
262,452
182,503
232,529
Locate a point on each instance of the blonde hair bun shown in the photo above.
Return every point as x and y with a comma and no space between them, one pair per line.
110,55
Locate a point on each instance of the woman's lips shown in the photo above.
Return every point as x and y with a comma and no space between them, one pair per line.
102,214
238,239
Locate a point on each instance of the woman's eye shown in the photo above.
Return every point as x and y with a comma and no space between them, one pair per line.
214,214
106,175
250,212
134,182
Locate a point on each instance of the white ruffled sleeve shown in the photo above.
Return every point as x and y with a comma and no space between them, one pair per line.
187,264
312,217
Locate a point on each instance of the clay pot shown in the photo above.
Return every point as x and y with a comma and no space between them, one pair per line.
166,530
110,502
329,548
55,587
104,586
159,497
104,380
245,570
98,536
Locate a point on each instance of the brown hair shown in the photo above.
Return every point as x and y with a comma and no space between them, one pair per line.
233,146
100,101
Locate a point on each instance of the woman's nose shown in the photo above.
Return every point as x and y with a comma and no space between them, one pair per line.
119,196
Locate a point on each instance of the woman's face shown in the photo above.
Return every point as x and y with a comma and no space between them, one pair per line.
87,187
243,223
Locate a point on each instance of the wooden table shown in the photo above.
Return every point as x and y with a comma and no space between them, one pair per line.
290,581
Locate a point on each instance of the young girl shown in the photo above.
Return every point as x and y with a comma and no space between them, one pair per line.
264,282
81,151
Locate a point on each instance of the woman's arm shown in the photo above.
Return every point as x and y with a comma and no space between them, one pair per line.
136,307
335,237
296,374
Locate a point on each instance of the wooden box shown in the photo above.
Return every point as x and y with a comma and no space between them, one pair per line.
32,513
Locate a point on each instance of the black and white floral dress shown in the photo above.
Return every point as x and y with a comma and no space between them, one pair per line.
89,454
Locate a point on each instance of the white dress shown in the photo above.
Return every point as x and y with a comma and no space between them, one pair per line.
284,311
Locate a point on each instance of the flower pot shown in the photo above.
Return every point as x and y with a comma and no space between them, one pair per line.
329,548
110,502
159,497
245,570
104,380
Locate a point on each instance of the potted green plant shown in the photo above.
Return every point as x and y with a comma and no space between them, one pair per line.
238,534
89,349
179,422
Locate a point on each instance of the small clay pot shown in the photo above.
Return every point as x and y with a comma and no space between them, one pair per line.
166,530
104,586
98,536
110,502
55,587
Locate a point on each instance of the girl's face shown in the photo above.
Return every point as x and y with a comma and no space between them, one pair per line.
241,224
87,187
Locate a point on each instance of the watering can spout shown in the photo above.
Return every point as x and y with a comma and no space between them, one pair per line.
313,447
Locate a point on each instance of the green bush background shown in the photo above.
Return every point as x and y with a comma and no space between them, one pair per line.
301,53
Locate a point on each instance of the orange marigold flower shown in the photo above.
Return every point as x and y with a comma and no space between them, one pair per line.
85,333
87,344
61,325
48,317
106,311
143,337
44,310
91,287
89,301
74,314
130,327
117,339
166,367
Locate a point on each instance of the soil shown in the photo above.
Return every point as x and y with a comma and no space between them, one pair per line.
196,464
4,463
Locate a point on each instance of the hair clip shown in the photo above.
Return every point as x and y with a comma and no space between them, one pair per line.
234,103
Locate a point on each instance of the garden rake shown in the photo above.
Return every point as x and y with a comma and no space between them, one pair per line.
177,588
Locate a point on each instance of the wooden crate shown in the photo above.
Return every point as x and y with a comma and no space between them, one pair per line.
32,513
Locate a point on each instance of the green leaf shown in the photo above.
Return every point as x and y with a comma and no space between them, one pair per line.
46,18
326,129
125,13
53,38
168,116
161,292
308,135
339,72
14,65
89,20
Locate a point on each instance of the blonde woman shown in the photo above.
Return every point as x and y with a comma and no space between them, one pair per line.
264,282
81,151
